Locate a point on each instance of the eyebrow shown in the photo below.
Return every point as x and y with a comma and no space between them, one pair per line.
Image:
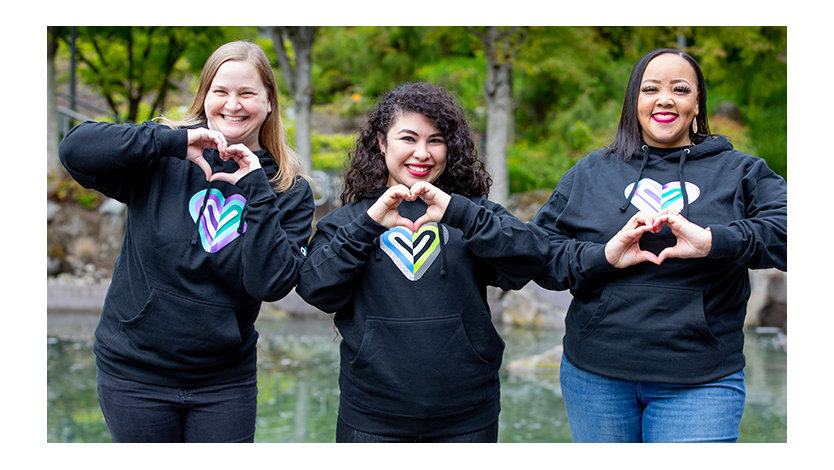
410,132
674,80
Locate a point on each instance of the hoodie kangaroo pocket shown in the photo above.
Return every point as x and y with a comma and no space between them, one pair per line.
658,330
419,368
174,329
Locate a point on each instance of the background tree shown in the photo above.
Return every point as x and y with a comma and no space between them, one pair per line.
501,46
134,68
566,83
298,78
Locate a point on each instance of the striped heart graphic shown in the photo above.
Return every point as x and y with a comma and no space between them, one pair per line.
220,219
411,252
652,197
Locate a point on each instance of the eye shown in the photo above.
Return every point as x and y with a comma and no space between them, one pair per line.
408,138
682,89
648,89
437,140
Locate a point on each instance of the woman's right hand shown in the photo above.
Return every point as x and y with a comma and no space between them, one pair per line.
200,139
623,250
384,210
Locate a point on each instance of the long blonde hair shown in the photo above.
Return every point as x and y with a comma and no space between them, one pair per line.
271,134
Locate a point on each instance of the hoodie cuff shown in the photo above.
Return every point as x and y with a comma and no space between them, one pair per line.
364,228
594,262
722,242
172,142
255,185
461,213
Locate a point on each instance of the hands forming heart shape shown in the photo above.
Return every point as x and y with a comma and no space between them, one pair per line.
200,139
624,250
384,210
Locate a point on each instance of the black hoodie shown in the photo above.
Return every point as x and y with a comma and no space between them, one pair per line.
680,322
419,353
184,297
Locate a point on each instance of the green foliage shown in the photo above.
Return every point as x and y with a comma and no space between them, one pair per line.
568,82
330,150
136,68
534,166
67,189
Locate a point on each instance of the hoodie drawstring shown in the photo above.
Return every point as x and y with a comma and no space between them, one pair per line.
200,215
240,224
685,210
442,247
645,149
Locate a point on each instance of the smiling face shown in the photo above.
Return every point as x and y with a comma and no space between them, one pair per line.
237,103
414,150
668,101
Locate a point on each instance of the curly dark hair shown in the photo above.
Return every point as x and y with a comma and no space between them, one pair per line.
464,174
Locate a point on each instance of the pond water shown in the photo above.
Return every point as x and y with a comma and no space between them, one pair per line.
298,393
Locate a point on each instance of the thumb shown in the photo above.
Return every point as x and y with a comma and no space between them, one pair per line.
667,253
424,219
204,165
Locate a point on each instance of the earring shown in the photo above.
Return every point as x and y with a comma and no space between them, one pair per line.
694,125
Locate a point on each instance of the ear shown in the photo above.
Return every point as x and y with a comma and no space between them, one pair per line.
381,141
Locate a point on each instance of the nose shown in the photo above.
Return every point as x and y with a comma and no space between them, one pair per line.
232,101
421,150
665,99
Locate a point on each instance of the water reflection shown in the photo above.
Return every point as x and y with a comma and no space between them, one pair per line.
298,395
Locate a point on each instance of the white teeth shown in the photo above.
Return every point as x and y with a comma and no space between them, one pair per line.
234,118
419,168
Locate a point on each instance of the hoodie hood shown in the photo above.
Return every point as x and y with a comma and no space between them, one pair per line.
710,146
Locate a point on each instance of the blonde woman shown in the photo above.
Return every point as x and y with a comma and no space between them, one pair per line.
218,221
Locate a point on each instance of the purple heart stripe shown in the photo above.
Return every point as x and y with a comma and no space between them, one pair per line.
652,197
220,219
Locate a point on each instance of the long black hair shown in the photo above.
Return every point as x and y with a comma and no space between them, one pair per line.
629,137
464,174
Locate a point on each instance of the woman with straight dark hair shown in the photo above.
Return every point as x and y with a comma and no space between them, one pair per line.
405,264
654,237
218,218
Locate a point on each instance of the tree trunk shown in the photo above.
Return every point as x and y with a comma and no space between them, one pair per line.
499,121
53,164
501,45
298,77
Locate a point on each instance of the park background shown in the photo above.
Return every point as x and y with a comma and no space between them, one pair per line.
807,57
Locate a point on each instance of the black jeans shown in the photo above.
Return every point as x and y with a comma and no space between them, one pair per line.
139,412
346,433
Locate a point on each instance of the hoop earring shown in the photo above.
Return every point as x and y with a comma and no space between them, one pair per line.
694,125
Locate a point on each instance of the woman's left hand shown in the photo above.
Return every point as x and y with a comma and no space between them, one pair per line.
246,160
693,241
436,199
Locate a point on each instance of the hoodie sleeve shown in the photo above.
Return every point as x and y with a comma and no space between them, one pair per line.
515,249
760,239
106,156
278,227
337,255
571,263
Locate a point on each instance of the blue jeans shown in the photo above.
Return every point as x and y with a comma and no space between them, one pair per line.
139,412
346,433
609,410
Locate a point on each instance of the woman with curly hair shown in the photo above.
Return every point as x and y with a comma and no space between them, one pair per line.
404,264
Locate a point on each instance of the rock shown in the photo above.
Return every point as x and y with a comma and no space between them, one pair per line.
52,209
768,304
526,205
534,306
112,207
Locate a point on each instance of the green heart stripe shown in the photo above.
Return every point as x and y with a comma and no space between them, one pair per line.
413,253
